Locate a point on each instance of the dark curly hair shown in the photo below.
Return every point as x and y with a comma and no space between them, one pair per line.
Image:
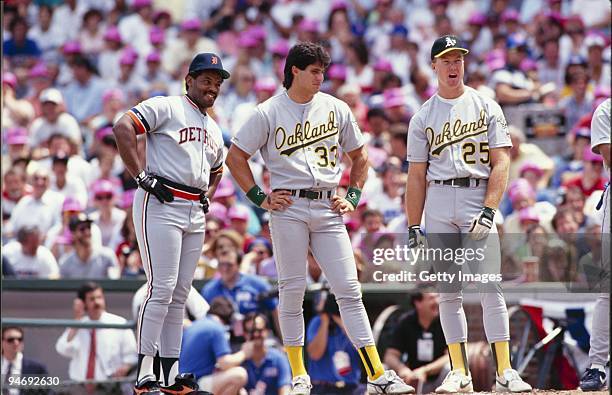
303,55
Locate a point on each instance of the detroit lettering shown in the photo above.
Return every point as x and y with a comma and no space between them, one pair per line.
460,131
305,135
194,133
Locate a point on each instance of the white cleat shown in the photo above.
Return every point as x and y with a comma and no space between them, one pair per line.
511,381
300,385
389,383
455,381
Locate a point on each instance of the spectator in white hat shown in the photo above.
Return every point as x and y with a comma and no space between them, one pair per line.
54,119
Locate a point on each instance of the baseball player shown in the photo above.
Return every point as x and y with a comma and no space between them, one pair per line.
594,379
458,149
184,162
301,133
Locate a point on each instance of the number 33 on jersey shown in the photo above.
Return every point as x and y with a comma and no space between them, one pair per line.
455,135
301,143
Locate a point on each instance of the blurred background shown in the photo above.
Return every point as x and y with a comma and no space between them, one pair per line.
71,68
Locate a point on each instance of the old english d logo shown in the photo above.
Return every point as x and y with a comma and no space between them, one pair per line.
214,60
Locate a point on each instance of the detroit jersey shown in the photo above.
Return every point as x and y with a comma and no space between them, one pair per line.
455,135
301,143
600,127
183,145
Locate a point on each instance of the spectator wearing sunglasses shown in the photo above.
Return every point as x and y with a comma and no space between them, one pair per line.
87,260
108,217
267,368
13,360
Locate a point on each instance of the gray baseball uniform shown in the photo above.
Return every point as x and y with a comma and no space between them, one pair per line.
184,147
454,136
301,145
600,333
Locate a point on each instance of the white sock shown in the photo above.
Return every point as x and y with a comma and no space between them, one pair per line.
598,367
146,367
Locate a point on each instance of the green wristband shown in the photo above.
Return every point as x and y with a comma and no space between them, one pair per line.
353,195
256,195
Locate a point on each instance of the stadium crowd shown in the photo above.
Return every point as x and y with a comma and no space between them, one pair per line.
71,68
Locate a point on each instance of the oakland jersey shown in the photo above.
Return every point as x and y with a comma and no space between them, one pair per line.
301,143
455,135
183,145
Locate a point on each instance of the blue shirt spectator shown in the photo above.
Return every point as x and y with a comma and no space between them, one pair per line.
274,372
84,94
339,362
20,50
204,342
267,368
242,289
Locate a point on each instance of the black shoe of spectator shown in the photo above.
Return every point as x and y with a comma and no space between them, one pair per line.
184,384
593,380
148,385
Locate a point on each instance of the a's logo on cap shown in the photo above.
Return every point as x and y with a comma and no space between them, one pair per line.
214,60
450,42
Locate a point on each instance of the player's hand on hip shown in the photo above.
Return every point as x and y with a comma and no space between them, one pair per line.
205,203
482,223
152,185
277,200
341,205
416,237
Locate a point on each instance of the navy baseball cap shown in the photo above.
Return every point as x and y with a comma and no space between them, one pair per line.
446,44
208,61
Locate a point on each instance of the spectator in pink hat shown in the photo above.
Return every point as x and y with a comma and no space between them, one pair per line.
54,119
528,217
264,89
189,42
238,216
113,105
336,77
226,195
136,25
130,81
382,68
156,78
592,178
15,112
521,196
91,34
59,237
308,30
108,59
523,151
40,78
108,217
18,142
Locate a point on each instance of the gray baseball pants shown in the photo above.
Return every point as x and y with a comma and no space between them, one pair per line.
312,224
170,237
449,211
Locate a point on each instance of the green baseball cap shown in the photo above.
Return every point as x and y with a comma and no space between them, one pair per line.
446,44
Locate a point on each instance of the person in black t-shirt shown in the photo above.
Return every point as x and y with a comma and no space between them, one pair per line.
417,350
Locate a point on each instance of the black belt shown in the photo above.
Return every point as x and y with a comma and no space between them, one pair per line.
309,194
180,190
458,182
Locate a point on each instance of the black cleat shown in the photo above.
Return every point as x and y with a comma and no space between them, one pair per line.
593,380
148,385
184,384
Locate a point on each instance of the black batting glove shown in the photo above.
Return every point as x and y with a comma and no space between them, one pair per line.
152,185
205,203
416,237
